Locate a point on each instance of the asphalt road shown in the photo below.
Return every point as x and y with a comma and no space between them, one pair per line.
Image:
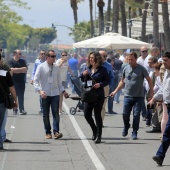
29,149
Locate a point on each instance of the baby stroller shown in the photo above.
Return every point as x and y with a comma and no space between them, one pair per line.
77,87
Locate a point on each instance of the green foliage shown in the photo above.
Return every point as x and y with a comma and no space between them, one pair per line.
45,35
81,31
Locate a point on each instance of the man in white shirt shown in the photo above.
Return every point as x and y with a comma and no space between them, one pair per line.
47,82
154,52
144,54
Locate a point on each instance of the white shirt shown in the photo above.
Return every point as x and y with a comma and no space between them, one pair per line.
63,69
47,78
141,61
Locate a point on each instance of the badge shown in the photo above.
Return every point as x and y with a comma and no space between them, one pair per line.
3,73
89,83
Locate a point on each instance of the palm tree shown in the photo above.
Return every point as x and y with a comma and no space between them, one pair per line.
165,16
108,19
101,4
73,4
91,17
144,16
123,17
155,23
115,22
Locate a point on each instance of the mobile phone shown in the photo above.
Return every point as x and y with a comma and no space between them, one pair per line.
150,107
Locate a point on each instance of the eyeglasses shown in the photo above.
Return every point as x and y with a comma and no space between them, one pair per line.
52,56
42,53
64,55
145,51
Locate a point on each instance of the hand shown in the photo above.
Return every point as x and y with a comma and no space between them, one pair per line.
112,94
85,73
16,105
66,95
96,86
32,82
151,102
43,94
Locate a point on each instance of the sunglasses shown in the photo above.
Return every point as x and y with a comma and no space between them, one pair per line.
64,55
19,53
42,53
145,51
52,56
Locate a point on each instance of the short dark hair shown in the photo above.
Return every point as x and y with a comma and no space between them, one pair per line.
167,54
48,52
63,52
134,54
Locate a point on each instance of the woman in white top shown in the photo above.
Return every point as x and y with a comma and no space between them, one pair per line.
64,68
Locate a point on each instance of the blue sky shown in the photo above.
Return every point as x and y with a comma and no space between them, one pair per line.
45,12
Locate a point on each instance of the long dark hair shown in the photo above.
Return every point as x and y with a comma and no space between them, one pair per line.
97,58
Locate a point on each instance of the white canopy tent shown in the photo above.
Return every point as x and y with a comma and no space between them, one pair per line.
111,41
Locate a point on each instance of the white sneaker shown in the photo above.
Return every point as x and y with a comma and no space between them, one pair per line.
23,112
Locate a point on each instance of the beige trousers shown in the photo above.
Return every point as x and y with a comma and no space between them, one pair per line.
106,93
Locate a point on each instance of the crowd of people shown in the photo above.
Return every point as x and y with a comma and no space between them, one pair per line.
108,73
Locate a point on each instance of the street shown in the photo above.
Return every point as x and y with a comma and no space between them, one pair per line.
30,150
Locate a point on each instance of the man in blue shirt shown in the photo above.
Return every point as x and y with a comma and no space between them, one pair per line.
73,63
38,61
109,88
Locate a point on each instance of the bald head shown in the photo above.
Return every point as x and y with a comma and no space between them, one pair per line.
103,54
144,52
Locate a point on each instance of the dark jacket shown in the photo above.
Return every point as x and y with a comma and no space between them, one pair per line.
100,76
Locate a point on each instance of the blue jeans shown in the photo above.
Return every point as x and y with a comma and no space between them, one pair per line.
2,114
41,109
116,99
110,100
3,132
165,140
20,90
54,103
129,104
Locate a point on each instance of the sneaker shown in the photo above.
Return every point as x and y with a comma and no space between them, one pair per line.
48,136
116,102
23,112
158,160
112,113
134,135
125,131
58,135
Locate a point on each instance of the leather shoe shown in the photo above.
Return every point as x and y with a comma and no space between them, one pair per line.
98,140
158,160
7,141
94,137
153,130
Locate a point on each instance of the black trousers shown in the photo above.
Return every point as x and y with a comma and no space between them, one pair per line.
20,90
97,107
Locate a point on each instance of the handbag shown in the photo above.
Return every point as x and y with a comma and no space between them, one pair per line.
89,94
9,100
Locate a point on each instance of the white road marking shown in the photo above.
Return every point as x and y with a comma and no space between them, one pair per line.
89,149
7,146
